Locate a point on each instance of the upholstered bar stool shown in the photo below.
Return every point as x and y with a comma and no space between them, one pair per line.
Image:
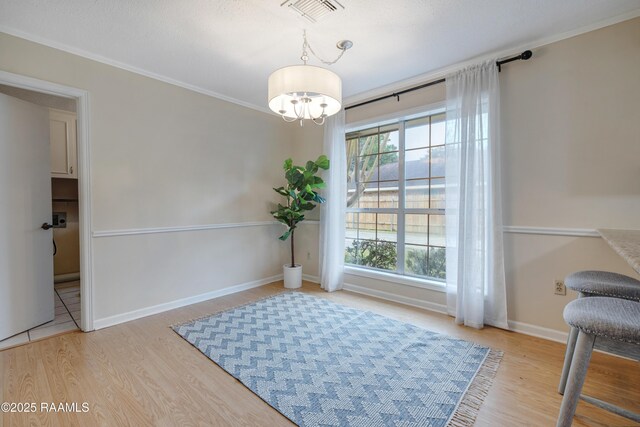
595,317
596,283
604,284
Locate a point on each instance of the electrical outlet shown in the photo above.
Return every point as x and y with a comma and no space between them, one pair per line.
560,289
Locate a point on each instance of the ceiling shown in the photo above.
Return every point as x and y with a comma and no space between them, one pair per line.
228,48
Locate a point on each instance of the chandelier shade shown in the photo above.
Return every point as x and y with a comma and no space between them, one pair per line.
304,92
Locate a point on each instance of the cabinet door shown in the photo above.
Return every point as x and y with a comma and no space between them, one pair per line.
62,136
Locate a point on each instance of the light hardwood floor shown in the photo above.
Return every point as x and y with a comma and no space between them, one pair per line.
142,373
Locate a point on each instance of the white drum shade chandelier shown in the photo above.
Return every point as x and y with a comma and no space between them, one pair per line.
305,92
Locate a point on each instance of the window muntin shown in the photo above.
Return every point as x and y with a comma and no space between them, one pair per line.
395,198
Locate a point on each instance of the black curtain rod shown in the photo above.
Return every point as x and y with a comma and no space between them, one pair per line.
524,56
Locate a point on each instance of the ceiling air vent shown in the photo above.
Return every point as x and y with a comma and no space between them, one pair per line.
313,10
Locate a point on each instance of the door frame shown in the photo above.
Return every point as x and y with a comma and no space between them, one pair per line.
84,180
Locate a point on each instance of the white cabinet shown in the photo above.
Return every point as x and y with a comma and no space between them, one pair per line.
62,134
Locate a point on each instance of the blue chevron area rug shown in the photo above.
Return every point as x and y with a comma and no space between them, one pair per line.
324,364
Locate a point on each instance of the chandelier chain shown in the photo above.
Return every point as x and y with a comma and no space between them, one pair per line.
305,56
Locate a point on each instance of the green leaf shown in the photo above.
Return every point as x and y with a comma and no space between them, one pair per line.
281,190
281,217
306,196
290,176
323,162
295,177
312,167
317,182
288,164
285,236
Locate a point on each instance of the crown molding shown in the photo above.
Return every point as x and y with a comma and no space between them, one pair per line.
121,65
442,72
362,96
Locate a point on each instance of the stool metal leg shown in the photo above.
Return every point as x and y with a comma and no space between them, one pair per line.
575,381
571,345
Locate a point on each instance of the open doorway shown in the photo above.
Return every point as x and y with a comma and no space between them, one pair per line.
64,222
69,245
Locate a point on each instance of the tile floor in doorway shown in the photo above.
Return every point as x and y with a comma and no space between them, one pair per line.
67,306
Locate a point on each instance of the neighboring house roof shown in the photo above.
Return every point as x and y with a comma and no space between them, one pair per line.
413,169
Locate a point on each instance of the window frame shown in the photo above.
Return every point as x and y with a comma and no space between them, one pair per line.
399,276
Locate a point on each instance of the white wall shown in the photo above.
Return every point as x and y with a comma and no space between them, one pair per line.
571,137
163,156
571,156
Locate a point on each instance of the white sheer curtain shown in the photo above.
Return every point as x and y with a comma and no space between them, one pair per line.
476,293
332,219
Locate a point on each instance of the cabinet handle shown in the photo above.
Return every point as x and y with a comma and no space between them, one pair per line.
71,169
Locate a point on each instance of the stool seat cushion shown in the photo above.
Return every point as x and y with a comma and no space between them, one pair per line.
613,318
604,283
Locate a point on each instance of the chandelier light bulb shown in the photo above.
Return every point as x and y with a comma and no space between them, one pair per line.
306,92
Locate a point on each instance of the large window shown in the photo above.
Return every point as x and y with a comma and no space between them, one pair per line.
395,198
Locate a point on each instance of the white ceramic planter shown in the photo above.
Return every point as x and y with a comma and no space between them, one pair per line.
292,276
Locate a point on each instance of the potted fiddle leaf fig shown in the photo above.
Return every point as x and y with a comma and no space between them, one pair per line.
301,196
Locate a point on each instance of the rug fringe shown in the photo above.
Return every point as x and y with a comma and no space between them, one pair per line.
467,411
176,325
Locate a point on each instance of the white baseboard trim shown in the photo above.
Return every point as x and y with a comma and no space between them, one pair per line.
431,306
552,335
148,311
310,278
519,327
538,331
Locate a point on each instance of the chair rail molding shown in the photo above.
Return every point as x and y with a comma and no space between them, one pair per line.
551,231
184,228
